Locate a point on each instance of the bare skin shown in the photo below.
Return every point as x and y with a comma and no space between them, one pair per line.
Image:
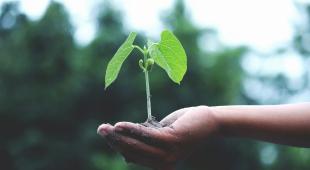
186,128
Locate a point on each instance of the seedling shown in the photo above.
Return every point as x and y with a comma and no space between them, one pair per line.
168,53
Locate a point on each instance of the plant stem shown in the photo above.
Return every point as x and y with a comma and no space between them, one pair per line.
147,89
148,95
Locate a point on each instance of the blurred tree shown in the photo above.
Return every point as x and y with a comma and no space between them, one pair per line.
301,40
52,94
282,86
35,96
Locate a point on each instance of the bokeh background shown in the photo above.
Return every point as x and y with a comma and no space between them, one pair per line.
53,61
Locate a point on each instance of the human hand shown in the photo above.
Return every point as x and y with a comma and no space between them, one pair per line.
161,148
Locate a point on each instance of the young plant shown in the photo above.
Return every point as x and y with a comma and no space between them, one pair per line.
168,53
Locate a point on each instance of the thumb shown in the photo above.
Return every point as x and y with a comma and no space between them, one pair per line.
172,117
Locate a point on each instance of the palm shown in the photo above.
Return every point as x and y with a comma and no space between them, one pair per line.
160,147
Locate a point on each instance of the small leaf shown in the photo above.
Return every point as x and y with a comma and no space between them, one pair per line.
119,57
170,55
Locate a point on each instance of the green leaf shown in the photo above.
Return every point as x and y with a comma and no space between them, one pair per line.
170,55
119,57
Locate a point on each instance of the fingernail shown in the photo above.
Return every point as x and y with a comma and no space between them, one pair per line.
102,130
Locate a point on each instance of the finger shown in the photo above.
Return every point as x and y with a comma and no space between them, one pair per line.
161,137
157,164
155,161
129,145
168,120
139,160
140,153
107,131
134,150
104,129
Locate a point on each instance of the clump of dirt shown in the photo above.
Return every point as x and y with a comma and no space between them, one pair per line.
153,123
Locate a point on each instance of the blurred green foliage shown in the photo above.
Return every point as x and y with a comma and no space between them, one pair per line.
52,94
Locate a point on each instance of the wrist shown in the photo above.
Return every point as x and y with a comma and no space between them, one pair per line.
211,120
219,116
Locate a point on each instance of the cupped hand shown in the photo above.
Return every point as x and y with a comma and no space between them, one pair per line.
161,148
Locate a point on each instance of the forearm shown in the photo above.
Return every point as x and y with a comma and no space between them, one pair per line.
283,124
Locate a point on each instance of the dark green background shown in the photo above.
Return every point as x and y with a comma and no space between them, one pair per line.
52,94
